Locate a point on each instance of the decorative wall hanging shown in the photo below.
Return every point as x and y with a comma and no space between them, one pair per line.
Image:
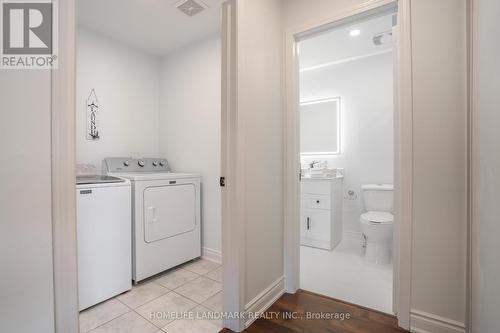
93,117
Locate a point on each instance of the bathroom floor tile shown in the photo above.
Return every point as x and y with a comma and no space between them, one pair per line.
200,290
201,266
166,308
142,294
214,303
128,323
215,274
176,278
100,314
346,276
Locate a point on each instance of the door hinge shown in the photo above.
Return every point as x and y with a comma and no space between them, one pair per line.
222,181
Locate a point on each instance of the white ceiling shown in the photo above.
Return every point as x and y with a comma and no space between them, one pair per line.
156,27
337,45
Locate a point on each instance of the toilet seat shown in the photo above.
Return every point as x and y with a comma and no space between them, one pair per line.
377,217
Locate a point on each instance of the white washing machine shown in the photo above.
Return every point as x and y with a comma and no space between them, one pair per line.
166,214
103,207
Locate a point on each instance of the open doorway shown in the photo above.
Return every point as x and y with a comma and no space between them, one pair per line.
148,165
346,117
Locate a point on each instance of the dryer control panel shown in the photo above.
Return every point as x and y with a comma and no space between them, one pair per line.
129,164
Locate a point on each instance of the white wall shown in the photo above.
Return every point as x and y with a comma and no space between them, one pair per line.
440,147
439,55
365,88
127,84
189,124
150,107
300,12
486,297
260,114
26,291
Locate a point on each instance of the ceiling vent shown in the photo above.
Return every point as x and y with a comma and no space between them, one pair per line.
191,7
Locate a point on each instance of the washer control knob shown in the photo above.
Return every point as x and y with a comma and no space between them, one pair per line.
162,163
155,163
141,164
126,163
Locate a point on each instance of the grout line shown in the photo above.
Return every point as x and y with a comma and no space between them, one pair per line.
159,284
110,320
168,272
116,297
196,278
197,301
130,309
151,300
154,299
160,328
218,265
187,298
206,275
216,268
149,321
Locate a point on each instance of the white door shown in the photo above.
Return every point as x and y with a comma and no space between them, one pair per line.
319,225
169,211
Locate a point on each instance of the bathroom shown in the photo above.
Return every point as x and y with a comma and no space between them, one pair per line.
347,161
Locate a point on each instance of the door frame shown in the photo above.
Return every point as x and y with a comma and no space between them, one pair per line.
473,226
63,159
403,150
63,135
232,193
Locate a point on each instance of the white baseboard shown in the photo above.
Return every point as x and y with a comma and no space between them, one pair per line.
264,300
211,254
423,322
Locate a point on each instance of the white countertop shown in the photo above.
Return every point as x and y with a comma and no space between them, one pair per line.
322,178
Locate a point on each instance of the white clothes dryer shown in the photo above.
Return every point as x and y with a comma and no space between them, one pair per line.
166,214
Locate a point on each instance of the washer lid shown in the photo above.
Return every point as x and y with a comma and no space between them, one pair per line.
98,179
378,217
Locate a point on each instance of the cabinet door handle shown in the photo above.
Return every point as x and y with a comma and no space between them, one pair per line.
308,223
317,201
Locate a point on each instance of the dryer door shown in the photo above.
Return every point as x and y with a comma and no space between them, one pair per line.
169,211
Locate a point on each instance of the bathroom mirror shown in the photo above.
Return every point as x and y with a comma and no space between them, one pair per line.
320,127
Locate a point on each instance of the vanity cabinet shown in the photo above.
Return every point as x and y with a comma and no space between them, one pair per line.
321,212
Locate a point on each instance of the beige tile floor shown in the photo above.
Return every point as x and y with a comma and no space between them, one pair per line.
181,300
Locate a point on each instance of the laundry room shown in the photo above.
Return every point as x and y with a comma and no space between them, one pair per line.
148,114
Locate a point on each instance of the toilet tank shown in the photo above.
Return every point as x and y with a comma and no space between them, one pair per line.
378,197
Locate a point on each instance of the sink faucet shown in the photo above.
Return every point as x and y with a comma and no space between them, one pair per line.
312,164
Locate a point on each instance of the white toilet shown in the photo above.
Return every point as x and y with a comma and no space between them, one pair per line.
376,223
